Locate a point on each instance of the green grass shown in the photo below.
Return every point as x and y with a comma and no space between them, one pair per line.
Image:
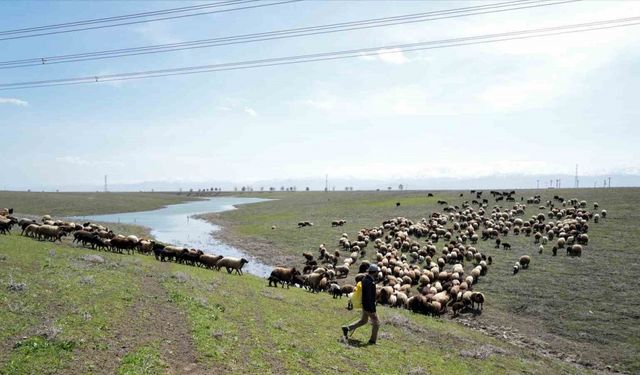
240,325
78,204
585,306
144,360
76,315
67,300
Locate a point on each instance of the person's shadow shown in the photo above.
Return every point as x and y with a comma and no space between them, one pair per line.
354,342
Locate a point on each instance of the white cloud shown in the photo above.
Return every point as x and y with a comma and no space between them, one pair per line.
250,111
392,56
386,55
401,100
14,101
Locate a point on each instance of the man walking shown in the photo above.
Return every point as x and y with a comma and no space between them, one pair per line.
368,306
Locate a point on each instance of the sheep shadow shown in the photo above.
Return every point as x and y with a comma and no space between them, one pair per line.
467,310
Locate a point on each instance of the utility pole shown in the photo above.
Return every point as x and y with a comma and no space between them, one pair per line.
577,181
105,183
538,184
609,181
326,182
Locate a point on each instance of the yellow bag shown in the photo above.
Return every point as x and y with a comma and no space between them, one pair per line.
356,296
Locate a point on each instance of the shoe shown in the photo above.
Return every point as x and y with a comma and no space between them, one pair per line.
345,332
372,342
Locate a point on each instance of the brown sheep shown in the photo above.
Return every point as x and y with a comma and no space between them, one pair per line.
283,275
575,250
231,264
478,298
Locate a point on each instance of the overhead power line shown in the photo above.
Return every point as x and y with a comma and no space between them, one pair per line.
44,30
118,18
287,33
335,55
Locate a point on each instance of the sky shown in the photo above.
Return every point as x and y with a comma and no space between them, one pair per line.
529,106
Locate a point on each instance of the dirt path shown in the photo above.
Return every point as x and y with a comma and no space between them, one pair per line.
151,320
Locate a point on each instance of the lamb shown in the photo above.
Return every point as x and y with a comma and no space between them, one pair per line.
555,250
232,264
540,249
524,261
335,290
342,271
516,268
284,275
506,246
603,214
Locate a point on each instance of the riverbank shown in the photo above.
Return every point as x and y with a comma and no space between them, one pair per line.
262,250
178,225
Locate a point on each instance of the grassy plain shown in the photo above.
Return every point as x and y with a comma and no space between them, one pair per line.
78,204
63,310
583,309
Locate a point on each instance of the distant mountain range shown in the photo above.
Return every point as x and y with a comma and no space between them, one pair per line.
507,181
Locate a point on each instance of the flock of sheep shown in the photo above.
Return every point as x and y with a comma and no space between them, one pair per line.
99,237
434,264
414,273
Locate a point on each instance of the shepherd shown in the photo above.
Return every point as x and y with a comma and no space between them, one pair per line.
368,306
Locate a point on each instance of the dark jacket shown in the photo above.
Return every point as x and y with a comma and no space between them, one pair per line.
368,294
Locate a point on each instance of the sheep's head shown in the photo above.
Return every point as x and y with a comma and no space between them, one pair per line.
243,261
